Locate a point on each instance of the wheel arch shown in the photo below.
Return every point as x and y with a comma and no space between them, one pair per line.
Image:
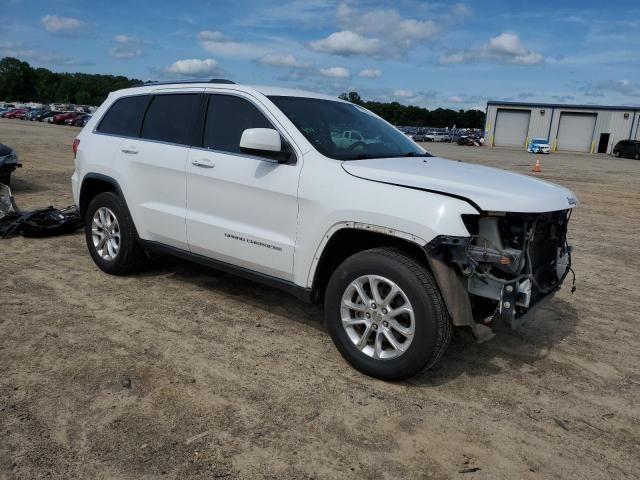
92,185
347,238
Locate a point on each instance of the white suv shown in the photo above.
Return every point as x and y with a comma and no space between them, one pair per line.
400,246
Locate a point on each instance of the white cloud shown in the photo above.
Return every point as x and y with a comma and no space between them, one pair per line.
22,52
403,93
504,48
456,99
61,25
622,87
450,58
127,47
280,60
396,33
125,52
461,10
219,44
208,35
194,67
507,47
370,73
346,43
124,39
335,72
507,43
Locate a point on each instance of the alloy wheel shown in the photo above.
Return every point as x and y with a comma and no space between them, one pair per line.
377,317
105,233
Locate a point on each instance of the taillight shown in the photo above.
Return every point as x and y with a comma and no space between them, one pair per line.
76,142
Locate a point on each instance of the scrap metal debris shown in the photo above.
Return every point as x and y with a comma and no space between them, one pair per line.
44,222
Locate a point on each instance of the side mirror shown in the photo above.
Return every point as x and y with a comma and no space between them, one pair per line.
264,142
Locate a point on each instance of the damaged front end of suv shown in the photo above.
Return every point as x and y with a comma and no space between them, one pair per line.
511,263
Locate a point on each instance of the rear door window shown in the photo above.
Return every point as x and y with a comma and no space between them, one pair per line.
227,117
172,118
125,116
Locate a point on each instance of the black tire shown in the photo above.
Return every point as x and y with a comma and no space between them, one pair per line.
130,255
5,178
433,328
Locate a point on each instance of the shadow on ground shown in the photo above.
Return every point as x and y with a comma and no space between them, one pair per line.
532,342
547,327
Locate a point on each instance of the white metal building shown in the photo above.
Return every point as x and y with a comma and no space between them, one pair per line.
570,128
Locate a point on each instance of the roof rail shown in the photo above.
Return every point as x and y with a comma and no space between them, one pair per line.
172,82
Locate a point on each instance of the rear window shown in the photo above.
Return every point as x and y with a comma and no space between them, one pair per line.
125,116
172,118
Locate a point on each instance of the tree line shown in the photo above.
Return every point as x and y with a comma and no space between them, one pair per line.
403,115
20,82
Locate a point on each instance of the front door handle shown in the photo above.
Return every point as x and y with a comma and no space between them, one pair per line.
129,150
203,163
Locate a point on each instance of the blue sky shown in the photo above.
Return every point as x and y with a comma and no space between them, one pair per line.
432,54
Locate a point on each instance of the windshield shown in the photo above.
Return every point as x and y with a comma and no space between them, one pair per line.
539,141
344,131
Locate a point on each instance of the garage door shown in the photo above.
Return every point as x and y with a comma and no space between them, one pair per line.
512,127
575,132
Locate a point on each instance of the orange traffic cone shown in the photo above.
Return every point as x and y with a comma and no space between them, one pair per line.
536,168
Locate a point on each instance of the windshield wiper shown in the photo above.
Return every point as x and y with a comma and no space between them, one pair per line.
361,156
411,154
368,156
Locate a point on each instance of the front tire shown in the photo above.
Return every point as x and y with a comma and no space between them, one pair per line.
111,235
385,314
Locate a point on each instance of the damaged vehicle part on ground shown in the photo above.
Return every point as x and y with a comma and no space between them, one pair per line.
509,265
44,222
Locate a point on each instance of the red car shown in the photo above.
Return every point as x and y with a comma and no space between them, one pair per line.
60,118
13,113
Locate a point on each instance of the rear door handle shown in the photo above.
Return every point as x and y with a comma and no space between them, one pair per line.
203,163
129,150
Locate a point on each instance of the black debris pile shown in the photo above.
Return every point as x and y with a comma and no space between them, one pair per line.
44,222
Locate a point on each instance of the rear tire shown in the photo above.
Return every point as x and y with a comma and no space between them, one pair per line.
111,235
350,318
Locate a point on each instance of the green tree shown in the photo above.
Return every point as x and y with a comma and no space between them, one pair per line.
411,115
16,79
20,82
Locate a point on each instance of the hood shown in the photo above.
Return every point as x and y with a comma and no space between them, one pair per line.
489,189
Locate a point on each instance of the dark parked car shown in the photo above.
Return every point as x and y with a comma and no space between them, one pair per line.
31,114
8,163
40,117
627,149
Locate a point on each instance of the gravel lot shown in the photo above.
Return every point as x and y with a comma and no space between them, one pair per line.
188,373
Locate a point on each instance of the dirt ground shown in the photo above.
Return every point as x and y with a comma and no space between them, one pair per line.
184,372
